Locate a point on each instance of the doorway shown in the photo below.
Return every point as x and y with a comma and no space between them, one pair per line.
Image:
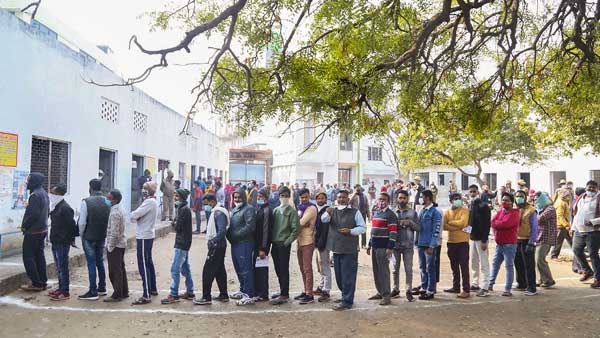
137,170
106,170
525,177
555,177
192,183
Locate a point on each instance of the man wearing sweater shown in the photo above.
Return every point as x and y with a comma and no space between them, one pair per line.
505,224
526,236
307,212
183,242
286,226
382,243
479,221
427,241
408,223
586,230
456,222
116,242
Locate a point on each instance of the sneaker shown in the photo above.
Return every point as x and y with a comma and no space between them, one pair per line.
170,299
549,285
325,297
88,296
341,307
275,295
102,292
56,291
595,284
237,295
506,294
416,291
474,288
483,293
395,294
385,301
202,301
376,297
279,300
222,298
317,292
452,290
245,301
409,296
307,300
426,296
187,296
31,288
463,295
60,296
530,293
259,299
585,277
300,296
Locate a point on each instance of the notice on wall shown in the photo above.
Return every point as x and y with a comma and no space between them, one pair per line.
6,186
9,144
20,195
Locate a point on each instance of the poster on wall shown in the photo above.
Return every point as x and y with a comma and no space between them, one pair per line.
6,186
9,146
20,195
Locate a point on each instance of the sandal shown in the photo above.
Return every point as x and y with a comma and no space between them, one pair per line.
141,301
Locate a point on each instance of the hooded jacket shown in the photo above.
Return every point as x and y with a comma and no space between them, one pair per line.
243,221
63,228
183,227
35,219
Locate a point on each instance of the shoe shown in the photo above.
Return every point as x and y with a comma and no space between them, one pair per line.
300,296
483,293
60,296
409,296
275,295
554,258
549,285
245,301
520,288
202,301
341,307
187,296
237,295
141,301
324,298
530,293
170,299
88,296
491,288
538,284
31,288
395,294
195,232
463,295
585,277
259,299
595,284
385,301
317,292
203,232
307,300
376,297
416,291
153,293
279,301
50,293
474,288
452,290
337,301
222,298
506,294
102,292
426,296
112,300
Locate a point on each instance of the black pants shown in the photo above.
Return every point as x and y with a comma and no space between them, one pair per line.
117,273
458,253
261,279
525,266
438,254
281,261
214,268
563,234
34,259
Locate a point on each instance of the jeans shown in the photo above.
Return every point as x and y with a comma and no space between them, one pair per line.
381,271
61,260
542,264
504,253
94,255
407,255
34,259
427,265
479,258
214,268
458,253
198,214
146,266
181,266
281,261
117,273
563,234
325,270
346,268
241,255
525,266
592,241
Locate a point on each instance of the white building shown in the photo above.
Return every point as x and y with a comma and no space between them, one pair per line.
55,123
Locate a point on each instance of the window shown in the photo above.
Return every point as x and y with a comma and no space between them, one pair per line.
464,182
50,158
525,177
375,154
163,164
309,133
140,122
201,173
343,176
345,142
595,175
320,177
491,179
109,111
106,172
555,177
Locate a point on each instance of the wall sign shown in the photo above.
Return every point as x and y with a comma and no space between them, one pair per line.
9,146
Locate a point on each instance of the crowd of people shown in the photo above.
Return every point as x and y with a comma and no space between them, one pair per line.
260,223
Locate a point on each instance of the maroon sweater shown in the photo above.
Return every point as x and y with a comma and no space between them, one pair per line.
505,224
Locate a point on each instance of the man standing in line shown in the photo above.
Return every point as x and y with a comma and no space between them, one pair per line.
93,222
456,221
63,231
586,225
383,240
214,267
408,223
563,222
345,225
147,177
526,237
324,262
116,243
480,222
167,187
252,194
546,237
307,212
286,226
198,207
145,217
262,248
427,241
359,201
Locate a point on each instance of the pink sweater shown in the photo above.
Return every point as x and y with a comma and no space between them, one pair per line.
506,223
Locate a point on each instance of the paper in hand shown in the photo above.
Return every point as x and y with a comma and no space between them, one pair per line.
262,263
468,229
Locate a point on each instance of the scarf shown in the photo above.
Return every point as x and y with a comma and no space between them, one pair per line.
303,207
211,229
54,200
542,202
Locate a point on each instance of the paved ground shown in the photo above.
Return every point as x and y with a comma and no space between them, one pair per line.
570,310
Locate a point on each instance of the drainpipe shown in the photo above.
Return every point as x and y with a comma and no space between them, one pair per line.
358,176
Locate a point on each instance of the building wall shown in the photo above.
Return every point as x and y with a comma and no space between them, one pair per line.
43,94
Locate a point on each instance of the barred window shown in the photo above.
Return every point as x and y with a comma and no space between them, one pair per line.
140,122
375,154
345,141
50,158
109,111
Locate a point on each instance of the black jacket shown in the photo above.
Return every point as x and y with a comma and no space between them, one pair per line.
242,221
321,231
35,219
480,220
96,222
63,228
183,228
264,223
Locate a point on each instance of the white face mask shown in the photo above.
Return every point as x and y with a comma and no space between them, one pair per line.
590,194
285,201
341,207
54,200
421,201
238,204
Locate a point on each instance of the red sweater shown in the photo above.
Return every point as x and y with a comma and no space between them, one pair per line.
505,225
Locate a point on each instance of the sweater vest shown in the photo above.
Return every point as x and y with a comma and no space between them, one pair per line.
336,242
525,226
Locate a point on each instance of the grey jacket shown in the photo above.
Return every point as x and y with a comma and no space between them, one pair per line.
406,233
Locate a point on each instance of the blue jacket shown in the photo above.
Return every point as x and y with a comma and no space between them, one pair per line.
431,223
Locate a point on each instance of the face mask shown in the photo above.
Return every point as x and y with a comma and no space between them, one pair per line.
207,208
238,204
457,204
590,194
507,205
145,194
260,202
178,204
382,205
520,200
107,202
421,201
54,200
285,201
341,207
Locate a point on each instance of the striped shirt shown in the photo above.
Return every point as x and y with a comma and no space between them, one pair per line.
384,229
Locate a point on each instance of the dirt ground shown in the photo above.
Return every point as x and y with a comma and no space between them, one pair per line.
570,310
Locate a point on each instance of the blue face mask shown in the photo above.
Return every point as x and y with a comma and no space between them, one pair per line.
107,202
260,202
207,208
